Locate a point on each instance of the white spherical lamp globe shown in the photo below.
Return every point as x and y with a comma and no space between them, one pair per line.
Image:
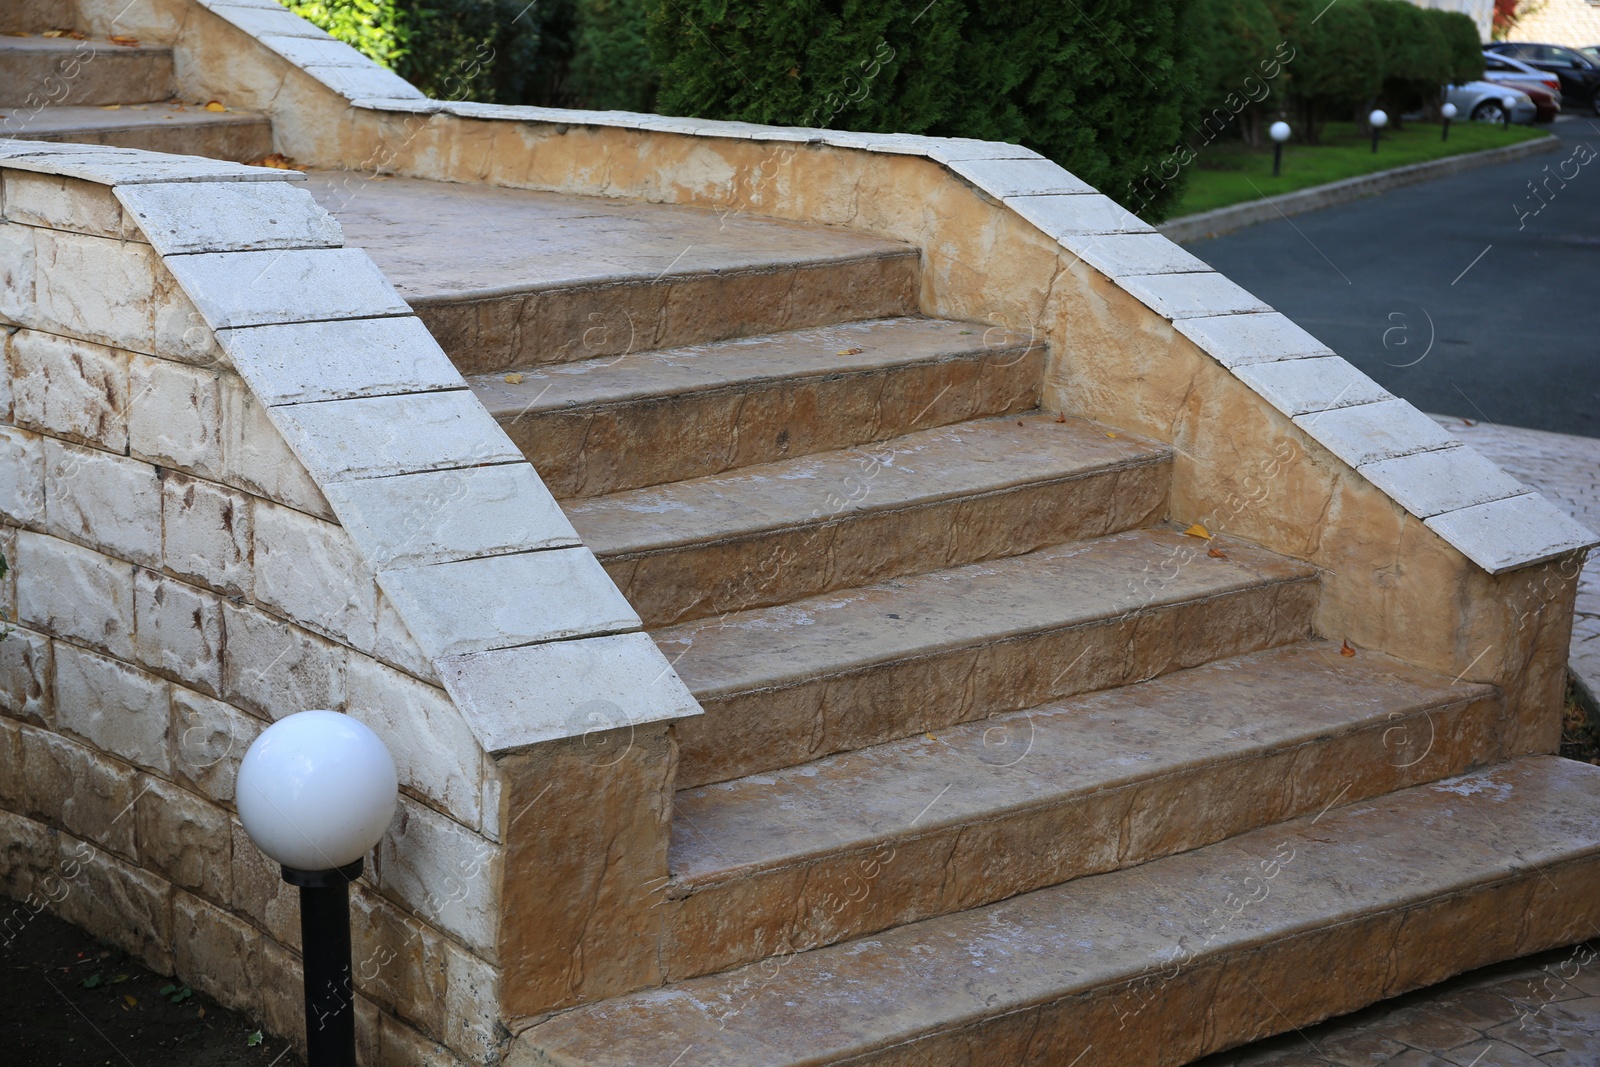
1378,119
316,790
1448,111
1279,131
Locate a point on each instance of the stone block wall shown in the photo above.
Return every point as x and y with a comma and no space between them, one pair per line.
1575,23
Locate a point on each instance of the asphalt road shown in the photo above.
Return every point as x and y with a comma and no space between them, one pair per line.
1466,295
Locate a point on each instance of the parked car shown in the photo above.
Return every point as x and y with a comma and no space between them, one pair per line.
1488,102
1579,74
1545,89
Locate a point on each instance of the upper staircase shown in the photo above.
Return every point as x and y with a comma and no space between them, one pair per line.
1003,761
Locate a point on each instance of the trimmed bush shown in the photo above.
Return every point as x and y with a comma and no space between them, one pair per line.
1334,67
1416,60
1100,86
1231,40
1461,40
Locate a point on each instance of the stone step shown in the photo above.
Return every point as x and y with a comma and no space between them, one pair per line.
1161,963
181,129
605,425
44,71
939,498
786,685
864,841
509,278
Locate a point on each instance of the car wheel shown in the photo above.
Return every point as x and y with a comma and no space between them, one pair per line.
1489,111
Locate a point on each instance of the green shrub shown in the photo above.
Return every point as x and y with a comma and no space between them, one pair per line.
373,26
1231,40
493,51
611,67
1099,86
1334,67
1461,40
1416,59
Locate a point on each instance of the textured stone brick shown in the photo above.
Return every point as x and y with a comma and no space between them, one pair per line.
178,631
184,839
434,751
471,1007
260,893
118,708
397,961
22,477
215,952
441,870
117,902
18,268
88,794
26,676
276,669
175,415
27,857
257,459
70,389
405,1046
67,590
308,570
102,500
93,287
396,645
206,533
58,202
209,738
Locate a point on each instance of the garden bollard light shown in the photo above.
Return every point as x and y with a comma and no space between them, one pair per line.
1506,105
1449,112
1377,120
1280,134
315,793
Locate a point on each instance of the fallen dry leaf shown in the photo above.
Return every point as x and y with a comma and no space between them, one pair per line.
1346,650
930,737
214,105
1198,531
1217,553
124,40
1110,434
131,1000
851,351
110,107
1061,418
513,379
278,161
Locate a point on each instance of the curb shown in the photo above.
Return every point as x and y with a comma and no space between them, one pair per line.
1237,216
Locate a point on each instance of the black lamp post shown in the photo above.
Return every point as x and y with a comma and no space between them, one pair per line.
1449,112
1279,132
315,792
1377,120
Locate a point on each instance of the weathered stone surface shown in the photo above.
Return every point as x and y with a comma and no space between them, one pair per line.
397,961
206,533
1447,479
158,127
304,362
443,872
275,668
373,437
1020,177
789,684
587,688
88,794
308,570
208,740
1183,296
26,676
117,902
70,389
189,217
234,289
1367,433
439,516
89,72
1124,961
606,425
1241,340
103,500
256,457
1063,216
184,839
1120,255
22,477
1302,386
175,416
178,631
69,591
113,165
477,605
1509,534
775,532
776,863
259,892
434,751
119,709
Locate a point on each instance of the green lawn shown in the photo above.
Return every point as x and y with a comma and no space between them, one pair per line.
1228,172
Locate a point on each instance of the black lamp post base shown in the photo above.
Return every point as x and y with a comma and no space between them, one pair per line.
325,950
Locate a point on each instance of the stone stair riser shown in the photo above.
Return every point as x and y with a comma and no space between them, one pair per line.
245,141
593,451
920,873
83,73
565,325
861,547
743,733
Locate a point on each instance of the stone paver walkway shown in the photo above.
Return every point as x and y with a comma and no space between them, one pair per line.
1566,470
1540,1011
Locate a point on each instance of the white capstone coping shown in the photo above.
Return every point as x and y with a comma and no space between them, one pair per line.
375,437
313,51
1001,178
1068,214
260,19
1240,340
306,362
293,285
1303,386
1187,296
180,217
1367,433
1446,479
369,80
587,687
477,605
411,520
1504,535
1124,255
109,165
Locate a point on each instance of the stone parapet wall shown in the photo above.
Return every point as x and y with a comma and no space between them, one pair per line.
240,481
1575,23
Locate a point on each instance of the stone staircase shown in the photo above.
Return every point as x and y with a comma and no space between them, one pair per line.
1002,761
74,88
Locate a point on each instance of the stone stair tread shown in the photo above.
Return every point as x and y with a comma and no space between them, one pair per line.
965,459
69,122
70,46
1443,854
1055,588
736,364
447,240
1219,713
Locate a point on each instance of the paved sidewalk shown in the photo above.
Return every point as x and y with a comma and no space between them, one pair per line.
1540,1011
1566,470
